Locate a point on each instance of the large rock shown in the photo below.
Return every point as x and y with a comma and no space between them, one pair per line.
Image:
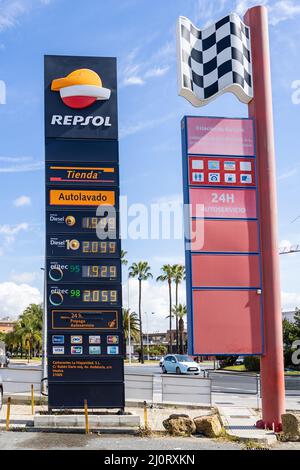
179,425
291,426
210,425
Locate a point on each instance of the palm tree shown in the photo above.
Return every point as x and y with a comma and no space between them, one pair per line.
124,261
178,277
130,324
141,271
167,275
180,313
29,328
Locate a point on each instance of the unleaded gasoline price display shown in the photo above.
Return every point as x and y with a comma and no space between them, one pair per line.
84,271
84,246
81,221
79,296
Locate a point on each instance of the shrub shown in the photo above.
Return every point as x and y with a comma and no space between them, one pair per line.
252,363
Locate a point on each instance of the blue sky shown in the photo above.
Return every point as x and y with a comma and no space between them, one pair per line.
141,34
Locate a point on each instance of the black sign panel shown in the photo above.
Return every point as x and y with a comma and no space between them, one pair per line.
86,320
78,295
98,395
83,265
84,271
81,97
85,246
92,370
72,221
87,174
81,151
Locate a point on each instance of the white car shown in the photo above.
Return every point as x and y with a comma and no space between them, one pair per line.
180,364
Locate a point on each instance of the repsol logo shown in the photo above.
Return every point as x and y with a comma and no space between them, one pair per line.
97,121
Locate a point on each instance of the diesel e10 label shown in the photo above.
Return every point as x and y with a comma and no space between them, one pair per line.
71,221
77,295
91,271
87,174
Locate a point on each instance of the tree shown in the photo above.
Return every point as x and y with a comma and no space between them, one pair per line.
180,313
124,261
178,277
130,322
291,333
141,271
167,275
29,329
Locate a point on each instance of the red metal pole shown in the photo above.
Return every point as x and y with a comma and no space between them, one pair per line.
260,108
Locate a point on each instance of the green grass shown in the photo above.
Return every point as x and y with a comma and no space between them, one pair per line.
240,368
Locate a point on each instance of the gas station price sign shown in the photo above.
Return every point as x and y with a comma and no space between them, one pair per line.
87,271
83,249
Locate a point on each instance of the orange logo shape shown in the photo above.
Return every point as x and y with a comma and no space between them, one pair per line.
81,88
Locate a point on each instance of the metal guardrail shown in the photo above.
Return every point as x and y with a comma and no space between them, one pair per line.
19,379
230,382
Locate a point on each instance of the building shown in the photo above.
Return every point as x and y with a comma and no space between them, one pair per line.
7,325
289,315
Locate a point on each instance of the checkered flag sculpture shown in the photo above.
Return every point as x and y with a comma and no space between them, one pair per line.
214,60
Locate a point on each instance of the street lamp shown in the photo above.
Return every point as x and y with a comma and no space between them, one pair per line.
44,336
152,313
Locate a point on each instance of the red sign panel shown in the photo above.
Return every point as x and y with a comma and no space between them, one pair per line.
224,203
245,239
226,271
220,136
227,322
222,171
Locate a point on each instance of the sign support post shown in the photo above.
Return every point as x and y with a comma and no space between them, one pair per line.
260,108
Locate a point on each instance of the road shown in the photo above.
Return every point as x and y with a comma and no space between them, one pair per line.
62,441
223,382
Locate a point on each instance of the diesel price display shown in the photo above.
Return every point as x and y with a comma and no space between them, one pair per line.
85,246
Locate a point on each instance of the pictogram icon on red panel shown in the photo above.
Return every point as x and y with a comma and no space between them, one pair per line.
218,171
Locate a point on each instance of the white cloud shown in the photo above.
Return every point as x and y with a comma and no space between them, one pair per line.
15,298
279,11
131,129
12,10
22,201
288,174
20,165
289,300
133,80
157,72
24,278
10,231
155,298
283,10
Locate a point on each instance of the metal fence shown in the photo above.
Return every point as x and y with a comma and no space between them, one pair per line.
247,383
168,389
